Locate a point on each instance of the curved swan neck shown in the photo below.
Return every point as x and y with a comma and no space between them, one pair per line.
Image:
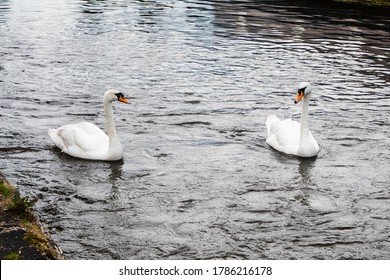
115,150
114,143
305,117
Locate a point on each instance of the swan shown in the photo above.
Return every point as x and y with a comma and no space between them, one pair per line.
87,141
291,137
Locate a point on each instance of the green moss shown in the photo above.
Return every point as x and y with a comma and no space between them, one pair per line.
4,189
21,204
12,256
35,237
25,222
13,201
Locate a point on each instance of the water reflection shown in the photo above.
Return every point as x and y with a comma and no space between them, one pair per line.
199,180
4,6
114,178
310,29
4,10
305,169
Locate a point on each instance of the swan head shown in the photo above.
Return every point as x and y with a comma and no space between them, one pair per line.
113,95
304,90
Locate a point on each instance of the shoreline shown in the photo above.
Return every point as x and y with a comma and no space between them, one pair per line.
22,236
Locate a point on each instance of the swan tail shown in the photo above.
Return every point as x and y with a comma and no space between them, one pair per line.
271,124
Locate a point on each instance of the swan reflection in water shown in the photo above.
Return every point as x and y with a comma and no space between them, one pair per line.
305,168
114,178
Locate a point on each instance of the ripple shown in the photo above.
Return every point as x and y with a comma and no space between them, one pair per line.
198,180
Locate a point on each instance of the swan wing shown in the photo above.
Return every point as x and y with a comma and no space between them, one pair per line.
283,135
84,140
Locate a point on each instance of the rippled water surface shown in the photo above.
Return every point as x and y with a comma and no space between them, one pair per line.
198,180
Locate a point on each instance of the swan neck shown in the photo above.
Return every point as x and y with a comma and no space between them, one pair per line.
110,123
115,150
305,118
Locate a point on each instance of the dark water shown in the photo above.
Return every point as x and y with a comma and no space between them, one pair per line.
198,180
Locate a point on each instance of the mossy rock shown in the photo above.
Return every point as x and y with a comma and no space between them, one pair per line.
21,234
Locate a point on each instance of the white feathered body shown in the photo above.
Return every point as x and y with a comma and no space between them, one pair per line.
291,137
86,140
285,136
83,140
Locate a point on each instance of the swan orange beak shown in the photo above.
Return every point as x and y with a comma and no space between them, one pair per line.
122,99
299,96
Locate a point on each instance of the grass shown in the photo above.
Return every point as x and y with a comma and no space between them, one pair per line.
35,237
13,201
6,192
4,189
21,204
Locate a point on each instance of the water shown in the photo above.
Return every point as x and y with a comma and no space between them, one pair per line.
198,180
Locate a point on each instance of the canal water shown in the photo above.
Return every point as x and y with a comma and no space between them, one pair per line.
198,180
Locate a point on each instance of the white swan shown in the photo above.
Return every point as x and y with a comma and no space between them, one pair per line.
289,136
85,140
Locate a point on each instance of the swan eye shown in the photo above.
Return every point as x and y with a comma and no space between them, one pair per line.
302,90
121,97
301,93
119,94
